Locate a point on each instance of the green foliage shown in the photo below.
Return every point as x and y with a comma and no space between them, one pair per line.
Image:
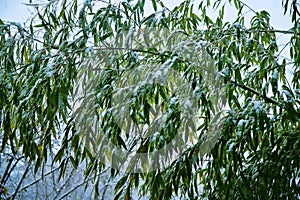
257,154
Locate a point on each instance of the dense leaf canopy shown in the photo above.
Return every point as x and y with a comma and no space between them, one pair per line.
256,154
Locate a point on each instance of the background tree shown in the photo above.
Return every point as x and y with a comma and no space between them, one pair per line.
257,153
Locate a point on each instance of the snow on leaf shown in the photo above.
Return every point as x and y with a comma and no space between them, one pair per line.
275,75
242,122
257,107
49,71
173,100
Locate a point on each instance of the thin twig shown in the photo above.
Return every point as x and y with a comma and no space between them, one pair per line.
11,169
3,180
244,4
80,184
20,182
283,49
37,180
64,184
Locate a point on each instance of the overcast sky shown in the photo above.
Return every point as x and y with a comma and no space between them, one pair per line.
14,10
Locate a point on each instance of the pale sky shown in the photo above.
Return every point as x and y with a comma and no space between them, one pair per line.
14,10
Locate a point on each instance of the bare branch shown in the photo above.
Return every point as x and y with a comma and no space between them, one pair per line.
80,184
37,180
20,182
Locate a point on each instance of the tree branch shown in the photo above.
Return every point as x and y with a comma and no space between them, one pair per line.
21,180
79,185
9,169
275,31
64,184
37,180
244,4
267,99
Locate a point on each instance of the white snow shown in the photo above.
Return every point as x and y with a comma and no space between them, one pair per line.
173,100
157,74
257,106
275,74
187,104
49,70
242,122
